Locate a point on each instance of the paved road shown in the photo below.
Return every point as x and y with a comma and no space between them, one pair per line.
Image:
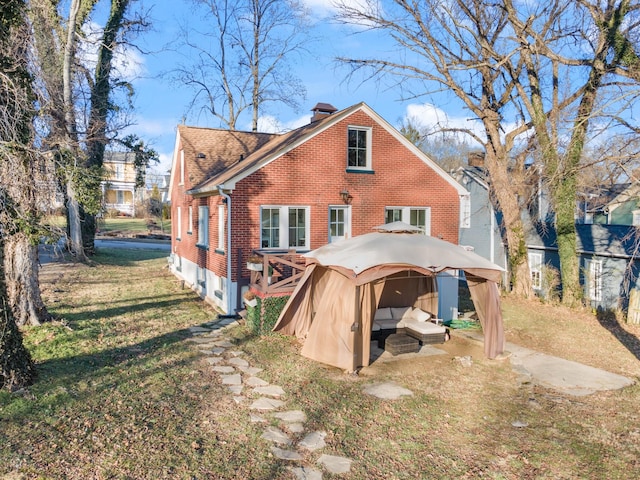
140,244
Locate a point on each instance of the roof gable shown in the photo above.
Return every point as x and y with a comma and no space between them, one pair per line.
208,175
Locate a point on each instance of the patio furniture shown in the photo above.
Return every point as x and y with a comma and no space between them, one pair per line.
398,343
425,332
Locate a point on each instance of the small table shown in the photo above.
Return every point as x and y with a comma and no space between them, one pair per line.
400,343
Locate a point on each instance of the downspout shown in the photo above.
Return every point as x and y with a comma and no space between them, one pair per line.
230,309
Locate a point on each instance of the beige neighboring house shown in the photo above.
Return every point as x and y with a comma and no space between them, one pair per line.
119,187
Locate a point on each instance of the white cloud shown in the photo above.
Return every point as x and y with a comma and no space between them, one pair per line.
127,62
431,118
270,124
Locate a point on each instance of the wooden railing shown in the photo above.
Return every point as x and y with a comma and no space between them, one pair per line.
277,273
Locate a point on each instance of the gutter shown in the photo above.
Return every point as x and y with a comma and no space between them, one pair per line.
229,282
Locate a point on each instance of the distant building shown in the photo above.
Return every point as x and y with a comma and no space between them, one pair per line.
119,187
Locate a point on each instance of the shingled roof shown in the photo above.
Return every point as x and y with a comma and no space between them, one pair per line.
209,151
231,154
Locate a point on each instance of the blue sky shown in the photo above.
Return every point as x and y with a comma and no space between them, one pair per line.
161,104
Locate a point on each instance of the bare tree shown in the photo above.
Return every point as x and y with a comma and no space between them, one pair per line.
242,60
602,58
16,114
87,94
457,46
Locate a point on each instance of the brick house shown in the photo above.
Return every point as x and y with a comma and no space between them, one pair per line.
241,194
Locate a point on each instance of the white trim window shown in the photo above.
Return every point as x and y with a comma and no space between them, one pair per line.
284,227
535,268
359,148
221,228
179,223
120,197
417,216
595,280
190,224
119,167
181,167
465,211
203,226
339,222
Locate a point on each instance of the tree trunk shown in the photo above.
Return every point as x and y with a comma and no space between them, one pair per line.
23,285
74,225
504,191
16,367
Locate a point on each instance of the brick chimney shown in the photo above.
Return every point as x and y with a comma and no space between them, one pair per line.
476,159
322,110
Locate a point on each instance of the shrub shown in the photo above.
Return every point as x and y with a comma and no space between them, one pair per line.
262,318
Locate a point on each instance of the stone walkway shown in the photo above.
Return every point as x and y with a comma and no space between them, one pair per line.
265,402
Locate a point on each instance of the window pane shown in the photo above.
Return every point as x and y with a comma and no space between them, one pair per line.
393,215
357,149
336,222
417,218
270,228
297,227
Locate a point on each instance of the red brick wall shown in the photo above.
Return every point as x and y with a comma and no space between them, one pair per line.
313,175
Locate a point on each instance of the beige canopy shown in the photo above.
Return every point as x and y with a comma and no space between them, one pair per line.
331,310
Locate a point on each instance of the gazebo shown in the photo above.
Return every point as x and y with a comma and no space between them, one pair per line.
332,308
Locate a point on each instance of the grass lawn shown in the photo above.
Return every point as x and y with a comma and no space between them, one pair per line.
122,225
121,394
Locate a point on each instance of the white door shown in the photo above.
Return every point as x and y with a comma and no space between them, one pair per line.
339,223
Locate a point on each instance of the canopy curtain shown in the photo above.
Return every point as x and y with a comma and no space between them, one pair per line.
486,299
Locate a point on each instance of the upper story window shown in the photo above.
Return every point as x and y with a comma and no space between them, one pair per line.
190,221
416,216
119,171
284,227
359,148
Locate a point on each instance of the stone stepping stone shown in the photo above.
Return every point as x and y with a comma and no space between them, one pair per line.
223,369
239,399
257,418
255,382
295,427
269,391
335,464
201,340
213,360
387,391
235,379
285,454
292,416
305,473
276,435
266,404
250,370
236,353
223,344
313,441
235,389
199,329
238,362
